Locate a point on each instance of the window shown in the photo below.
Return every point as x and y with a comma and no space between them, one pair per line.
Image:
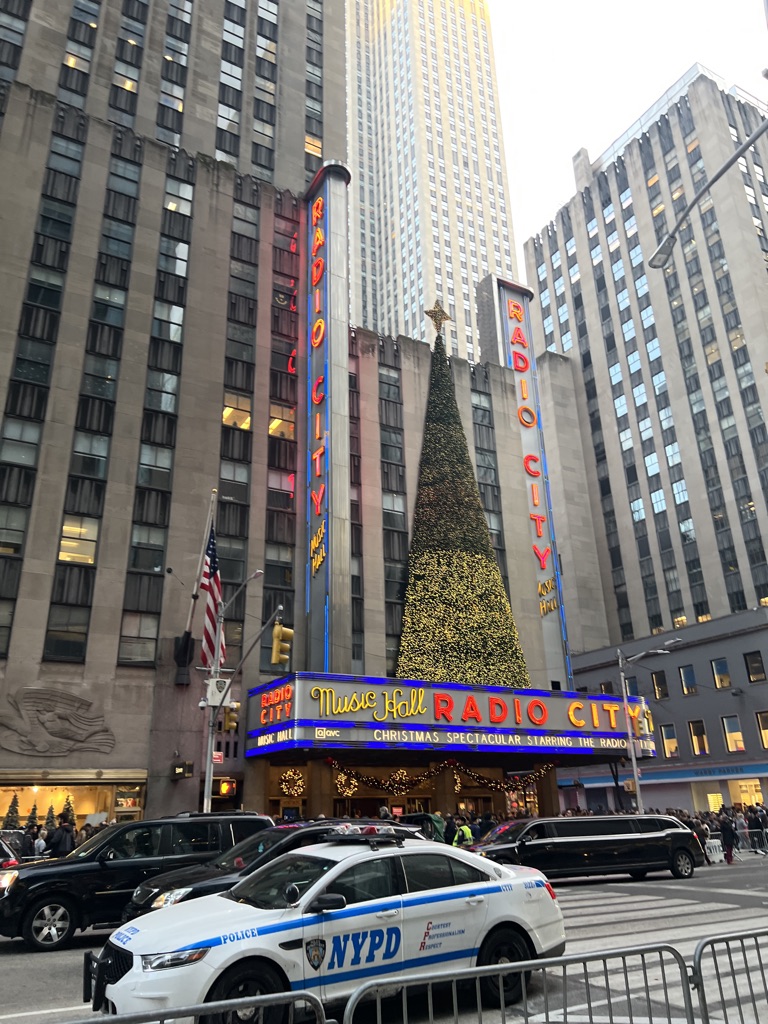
6,618
237,410
100,377
753,661
178,196
734,741
698,734
13,523
147,548
155,465
79,536
392,443
660,688
393,506
427,871
138,637
762,716
282,421
370,880
161,391
669,742
67,633
720,673
687,680
89,455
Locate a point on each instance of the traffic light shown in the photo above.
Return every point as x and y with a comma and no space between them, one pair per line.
281,644
231,715
227,787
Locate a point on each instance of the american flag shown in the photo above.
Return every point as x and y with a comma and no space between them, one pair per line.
211,583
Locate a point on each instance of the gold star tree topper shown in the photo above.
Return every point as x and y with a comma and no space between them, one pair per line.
438,316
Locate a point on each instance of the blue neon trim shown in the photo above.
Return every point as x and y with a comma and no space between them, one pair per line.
394,967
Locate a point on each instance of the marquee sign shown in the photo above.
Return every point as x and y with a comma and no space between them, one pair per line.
309,710
517,337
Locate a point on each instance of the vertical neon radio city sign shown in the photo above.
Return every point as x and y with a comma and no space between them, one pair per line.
319,439
516,329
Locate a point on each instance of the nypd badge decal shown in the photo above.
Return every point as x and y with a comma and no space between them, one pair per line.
315,953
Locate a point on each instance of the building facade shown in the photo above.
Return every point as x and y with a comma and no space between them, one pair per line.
429,213
663,480
664,367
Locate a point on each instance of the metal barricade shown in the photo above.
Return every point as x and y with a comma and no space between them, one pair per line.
714,849
757,842
231,1011
730,974
645,983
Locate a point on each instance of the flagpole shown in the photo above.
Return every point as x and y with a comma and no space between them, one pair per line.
183,650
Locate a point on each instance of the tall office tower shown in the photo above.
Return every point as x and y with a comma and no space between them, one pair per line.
429,198
152,154
665,367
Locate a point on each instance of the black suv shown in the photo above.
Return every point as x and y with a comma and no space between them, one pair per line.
631,844
46,901
230,868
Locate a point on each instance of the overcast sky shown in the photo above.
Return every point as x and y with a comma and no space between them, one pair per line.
576,73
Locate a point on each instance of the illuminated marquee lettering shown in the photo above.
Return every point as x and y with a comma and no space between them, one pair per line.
317,395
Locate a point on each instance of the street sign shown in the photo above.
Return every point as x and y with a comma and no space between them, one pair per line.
218,757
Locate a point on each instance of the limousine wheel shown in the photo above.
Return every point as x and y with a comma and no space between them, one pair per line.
682,864
503,947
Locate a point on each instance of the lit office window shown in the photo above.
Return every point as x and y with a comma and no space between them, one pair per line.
753,661
698,733
720,673
734,740
669,741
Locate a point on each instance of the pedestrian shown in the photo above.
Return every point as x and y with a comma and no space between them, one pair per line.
742,830
40,843
450,829
384,812
62,840
728,837
698,830
28,842
85,833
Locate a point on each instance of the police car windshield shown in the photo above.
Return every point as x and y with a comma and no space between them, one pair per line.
245,853
266,888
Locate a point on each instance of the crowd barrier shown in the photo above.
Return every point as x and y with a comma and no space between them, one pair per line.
727,983
751,842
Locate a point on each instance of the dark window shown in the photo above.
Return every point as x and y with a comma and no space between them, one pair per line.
369,880
753,661
428,871
67,634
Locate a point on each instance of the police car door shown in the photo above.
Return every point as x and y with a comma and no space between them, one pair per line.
445,907
365,939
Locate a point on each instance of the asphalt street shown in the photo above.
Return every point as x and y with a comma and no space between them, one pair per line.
600,914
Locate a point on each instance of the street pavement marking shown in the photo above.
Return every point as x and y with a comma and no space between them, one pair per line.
37,1013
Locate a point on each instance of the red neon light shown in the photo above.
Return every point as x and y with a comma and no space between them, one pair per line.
317,499
443,707
318,209
471,710
535,495
318,241
527,416
318,333
542,556
520,361
497,709
518,338
514,310
537,712
292,482
539,520
527,464
318,269
318,432
317,455
318,396
292,362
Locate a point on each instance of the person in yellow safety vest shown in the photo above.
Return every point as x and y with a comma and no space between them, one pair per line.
463,835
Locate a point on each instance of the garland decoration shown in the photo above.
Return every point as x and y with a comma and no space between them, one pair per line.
398,782
292,782
345,784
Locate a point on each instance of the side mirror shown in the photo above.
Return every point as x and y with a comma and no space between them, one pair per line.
327,901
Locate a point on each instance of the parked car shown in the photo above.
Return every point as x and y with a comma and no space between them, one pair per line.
8,858
47,901
229,868
13,837
328,918
632,844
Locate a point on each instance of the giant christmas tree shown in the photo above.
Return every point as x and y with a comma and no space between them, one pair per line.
457,621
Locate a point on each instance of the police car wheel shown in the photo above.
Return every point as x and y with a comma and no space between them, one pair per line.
50,924
250,979
503,947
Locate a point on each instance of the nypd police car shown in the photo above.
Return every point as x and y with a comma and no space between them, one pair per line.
327,918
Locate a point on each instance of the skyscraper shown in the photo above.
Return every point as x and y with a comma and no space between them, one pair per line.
664,367
429,203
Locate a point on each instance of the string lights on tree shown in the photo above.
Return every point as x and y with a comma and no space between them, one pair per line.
398,782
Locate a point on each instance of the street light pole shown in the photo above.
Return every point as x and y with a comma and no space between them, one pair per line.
630,731
660,257
214,698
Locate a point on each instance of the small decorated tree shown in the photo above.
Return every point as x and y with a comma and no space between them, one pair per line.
32,819
50,820
457,620
68,810
11,820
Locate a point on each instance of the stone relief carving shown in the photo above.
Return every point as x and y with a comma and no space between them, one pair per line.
51,723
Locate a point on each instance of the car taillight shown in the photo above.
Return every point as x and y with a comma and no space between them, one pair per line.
551,891
9,864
